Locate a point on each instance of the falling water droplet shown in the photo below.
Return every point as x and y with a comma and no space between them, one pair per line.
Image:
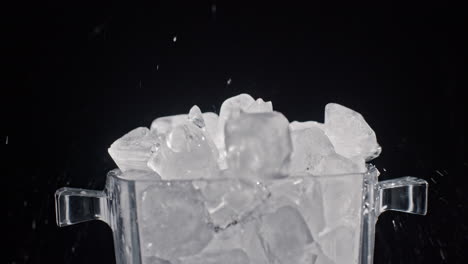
174,39
213,8
442,255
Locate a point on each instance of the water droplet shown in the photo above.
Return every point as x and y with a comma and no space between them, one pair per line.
33,224
442,255
229,81
174,39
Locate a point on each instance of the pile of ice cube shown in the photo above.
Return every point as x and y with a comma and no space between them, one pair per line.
258,190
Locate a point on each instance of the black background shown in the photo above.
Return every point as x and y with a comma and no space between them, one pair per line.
84,73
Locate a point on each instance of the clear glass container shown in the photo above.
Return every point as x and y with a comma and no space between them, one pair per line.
339,212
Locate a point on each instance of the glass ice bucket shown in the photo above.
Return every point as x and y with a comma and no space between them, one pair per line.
298,219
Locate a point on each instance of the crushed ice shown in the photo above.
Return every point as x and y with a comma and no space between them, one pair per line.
255,187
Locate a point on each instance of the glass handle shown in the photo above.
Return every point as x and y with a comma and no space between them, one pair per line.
79,205
407,194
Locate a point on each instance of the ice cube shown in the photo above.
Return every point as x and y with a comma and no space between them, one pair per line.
173,220
234,256
310,146
285,234
187,153
141,175
195,116
258,145
241,235
211,124
313,254
211,129
251,242
133,150
231,107
296,125
350,134
322,259
154,260
259,106
360,163
234,105
342,199
164,125
301,192
341,245
333,164
230,200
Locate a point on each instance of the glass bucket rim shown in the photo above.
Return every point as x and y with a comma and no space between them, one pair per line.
118,174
